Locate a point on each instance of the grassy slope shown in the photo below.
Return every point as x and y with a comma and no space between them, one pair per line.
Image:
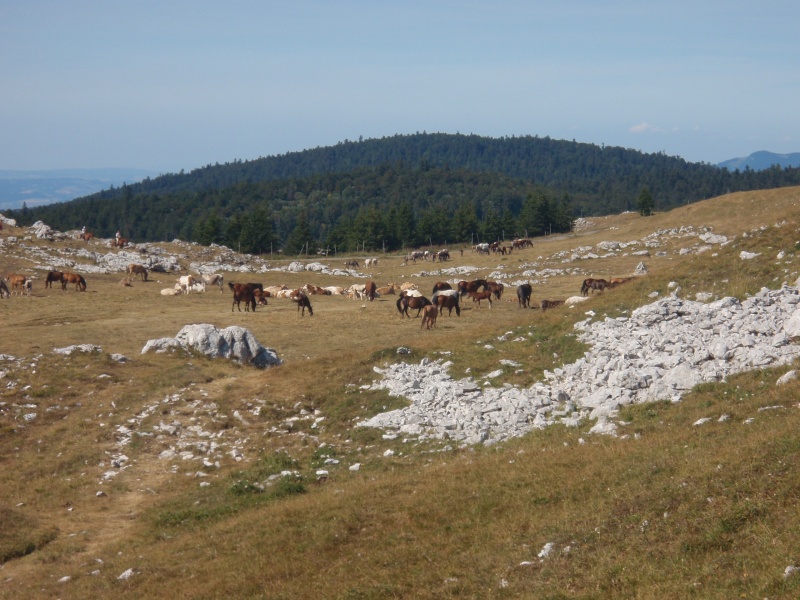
670,511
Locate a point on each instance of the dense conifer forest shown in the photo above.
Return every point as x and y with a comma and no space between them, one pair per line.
398,192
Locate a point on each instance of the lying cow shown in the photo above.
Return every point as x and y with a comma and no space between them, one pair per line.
214,279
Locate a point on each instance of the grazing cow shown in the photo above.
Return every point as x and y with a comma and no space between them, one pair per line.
524,292
53,276
545,304
429,314
214,279
76,278
481,248
448,299
406,302
387,290
495,288
4,289
134,269
27,286
303,303
370,262
369,290
593,284
614,282
478,296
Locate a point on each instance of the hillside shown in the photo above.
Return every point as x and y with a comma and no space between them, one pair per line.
141,475
759,161
397,192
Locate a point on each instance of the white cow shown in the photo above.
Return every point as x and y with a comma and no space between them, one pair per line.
189,283
356,291
170,292
214,279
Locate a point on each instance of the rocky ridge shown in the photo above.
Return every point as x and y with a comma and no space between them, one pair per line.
660,352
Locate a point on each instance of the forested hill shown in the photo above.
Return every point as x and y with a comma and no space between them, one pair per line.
399,191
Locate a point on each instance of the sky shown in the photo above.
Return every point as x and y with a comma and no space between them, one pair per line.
168,85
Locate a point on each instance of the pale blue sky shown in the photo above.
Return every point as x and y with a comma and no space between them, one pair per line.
170,85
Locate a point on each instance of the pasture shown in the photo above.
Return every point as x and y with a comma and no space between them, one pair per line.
674,513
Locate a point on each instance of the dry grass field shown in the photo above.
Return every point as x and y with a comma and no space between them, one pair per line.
89,512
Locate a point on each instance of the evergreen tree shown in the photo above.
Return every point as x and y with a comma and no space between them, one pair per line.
300,239
644,203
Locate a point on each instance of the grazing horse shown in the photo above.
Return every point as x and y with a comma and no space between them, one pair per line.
134,269
495,288
53,276
441,285
593,284
353,264
86,236
465,287
524,292
478,296
369,290
303,303
429,314
244,292
16,281
447,299
545,304
76,278
406,302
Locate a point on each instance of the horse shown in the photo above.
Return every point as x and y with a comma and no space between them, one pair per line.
86,236
53,276
249,293
495,288
4,289
545,304
352,264
441,285
16,281
447,299
369,290
524,292
478,296
614,282
303,303
406,302
465,287
76,278
134,269
120,242
593,284
429,314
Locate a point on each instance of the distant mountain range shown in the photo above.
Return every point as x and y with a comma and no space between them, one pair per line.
758,161
37,188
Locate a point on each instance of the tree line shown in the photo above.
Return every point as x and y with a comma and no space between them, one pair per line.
398,192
